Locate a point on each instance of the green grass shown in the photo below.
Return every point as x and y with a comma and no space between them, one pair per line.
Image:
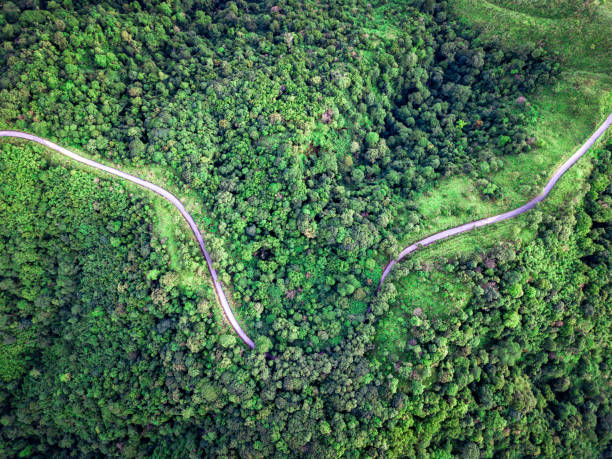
175,235
580,37
553,9
560,126
436,291
453,200
567,115
562,118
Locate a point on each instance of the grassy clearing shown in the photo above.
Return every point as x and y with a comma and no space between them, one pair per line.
175,237
453,200
567,115
553,9
560,126
436,291
579,36
562,118
569,191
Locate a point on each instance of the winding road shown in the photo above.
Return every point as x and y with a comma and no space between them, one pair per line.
163,193
505,216
221,297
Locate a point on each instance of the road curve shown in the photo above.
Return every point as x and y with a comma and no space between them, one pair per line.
163,193
221,297
501,217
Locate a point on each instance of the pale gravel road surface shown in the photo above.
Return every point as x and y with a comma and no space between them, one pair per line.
165,194
505,216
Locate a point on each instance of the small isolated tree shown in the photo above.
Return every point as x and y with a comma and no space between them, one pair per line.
227,340
372,139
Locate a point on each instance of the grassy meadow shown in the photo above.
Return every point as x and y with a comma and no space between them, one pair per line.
562,117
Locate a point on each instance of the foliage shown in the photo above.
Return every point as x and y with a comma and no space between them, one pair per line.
299,138
524,363
303,128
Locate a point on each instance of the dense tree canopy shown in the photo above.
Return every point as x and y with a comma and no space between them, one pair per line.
302,128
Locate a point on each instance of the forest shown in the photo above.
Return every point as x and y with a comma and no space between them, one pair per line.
306,138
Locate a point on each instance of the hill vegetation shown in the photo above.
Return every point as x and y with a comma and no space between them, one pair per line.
314,138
